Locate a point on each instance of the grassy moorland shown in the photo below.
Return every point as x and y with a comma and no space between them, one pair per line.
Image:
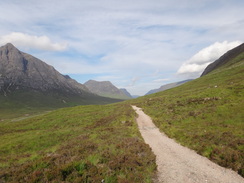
24,103
101,143
79,144
114,96
205,114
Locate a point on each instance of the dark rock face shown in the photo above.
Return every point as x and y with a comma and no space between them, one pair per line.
167,86
224,59
105,88
20,70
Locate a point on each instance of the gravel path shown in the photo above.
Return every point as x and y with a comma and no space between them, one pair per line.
178,164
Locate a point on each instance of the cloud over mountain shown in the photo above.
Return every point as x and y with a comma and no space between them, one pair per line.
121,40
31,42
198,62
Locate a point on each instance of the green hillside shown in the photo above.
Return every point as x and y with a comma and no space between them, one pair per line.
23,103
205,114
79,144
97,143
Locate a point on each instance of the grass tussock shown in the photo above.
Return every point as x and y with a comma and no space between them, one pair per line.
205,114
80,144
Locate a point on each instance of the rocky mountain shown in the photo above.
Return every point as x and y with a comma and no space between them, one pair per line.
167,86
227,57
20,72
105,89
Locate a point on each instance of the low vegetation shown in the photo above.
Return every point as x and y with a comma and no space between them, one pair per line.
101,143
205,114
24,103
79,144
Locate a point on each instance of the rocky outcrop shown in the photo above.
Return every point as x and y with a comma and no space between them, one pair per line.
20,70
224,59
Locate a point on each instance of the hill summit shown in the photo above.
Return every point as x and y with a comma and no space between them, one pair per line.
26,79
106,89
21,70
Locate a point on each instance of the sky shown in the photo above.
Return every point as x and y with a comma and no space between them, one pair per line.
136,44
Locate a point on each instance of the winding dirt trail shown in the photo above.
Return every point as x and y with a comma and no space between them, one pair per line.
178,164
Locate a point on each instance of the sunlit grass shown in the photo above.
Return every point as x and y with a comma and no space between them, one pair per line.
80,144
205,114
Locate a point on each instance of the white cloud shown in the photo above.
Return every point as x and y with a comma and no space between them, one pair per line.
81,67
31,42
196,64
129,39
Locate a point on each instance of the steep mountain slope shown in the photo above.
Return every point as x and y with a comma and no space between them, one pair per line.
126,92
105,89
223,60
167,86
26,81
20,70
205,114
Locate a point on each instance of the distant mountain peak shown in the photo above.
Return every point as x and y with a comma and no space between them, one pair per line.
167,86
105,89
21,70
23,75
9,45
8,48
103,82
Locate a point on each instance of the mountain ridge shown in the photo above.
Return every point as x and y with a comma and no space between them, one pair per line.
167,86
126,92
27,81
106,89
33,73
227,57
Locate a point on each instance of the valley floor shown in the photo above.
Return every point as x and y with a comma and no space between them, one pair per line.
178,164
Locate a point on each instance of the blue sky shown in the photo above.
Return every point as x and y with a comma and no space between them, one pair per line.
136,44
